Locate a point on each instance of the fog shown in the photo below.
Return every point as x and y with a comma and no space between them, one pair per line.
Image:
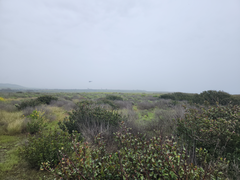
154,45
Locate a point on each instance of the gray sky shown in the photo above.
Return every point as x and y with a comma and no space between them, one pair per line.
155,45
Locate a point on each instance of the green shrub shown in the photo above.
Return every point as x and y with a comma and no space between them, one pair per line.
113,97
45,147
210,96
137,158
215,128
89,114
28,103
109,102
36,123
178,96
46,99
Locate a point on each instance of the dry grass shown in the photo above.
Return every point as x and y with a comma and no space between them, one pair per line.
47,112
59,112
11,122
65,104
7,106
15,127
123,104
145,105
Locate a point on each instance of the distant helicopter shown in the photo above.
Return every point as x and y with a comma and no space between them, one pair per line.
90,81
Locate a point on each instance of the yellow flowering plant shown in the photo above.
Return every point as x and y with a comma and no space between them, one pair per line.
37,122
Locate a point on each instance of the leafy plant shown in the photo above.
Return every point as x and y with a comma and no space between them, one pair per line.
114,106
36,123
28,103
113,97
46,99
91,115
45,147
137,158
215,128
210,96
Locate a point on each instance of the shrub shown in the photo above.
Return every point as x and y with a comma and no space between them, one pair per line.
28,103
58,103
69,105
65,104
210,96
46,112
136,159
113,97
7,106
68,98
215,128
90,115
46,99
108,102
36,122
163,124
2,99
163,103
45,147
145,105
178,96
123,104
151,98
90,131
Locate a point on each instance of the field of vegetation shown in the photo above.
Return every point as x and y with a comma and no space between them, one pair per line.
116,135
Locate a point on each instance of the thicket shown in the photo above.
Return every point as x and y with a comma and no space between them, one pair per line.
89,115
210,96
113,97
178,96
202,144
45,148
46,99
137,158
36,122
216,129
112,104
112,101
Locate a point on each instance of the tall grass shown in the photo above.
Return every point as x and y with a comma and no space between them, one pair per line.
11,122
7,106
12,159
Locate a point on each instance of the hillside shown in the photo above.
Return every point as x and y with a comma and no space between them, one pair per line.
11,86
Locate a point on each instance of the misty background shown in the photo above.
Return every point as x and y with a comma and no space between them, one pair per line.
153,45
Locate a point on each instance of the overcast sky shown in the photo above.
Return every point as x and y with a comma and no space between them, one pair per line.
154,45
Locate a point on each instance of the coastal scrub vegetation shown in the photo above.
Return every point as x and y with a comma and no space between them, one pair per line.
212,97
119,135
